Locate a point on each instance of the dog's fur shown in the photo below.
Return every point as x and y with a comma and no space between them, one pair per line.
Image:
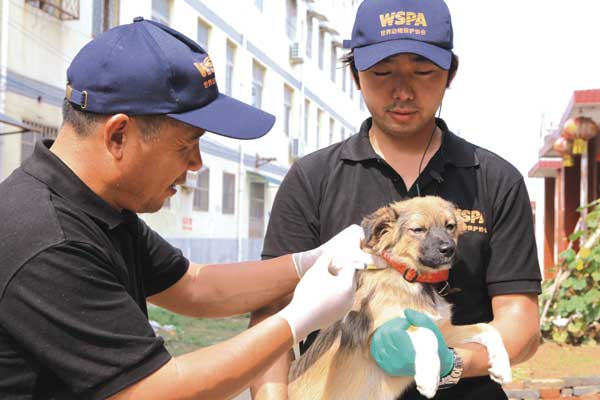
422,233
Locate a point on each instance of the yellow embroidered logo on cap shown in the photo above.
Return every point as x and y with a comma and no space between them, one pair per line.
206,69
402,18
400,22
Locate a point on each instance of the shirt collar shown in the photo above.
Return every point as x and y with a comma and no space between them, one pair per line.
46,167
454,150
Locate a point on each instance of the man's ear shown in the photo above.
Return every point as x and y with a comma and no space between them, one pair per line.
116,134
453,70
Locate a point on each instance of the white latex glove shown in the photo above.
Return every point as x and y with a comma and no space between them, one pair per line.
323,296
344,249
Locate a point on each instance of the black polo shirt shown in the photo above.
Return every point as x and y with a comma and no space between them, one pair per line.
74,277
332,188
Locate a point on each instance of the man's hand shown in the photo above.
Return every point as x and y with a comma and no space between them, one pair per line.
323,296
343,248
392,348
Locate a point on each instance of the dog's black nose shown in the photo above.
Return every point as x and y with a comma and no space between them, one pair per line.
447,250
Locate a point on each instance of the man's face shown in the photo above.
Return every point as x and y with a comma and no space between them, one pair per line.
152,167
403,93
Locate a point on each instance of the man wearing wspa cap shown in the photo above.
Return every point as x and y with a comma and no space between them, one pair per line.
77,265
402,61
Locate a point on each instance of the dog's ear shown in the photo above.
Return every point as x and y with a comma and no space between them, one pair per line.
377,224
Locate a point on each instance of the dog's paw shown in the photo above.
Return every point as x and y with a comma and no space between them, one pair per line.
499,370
427,362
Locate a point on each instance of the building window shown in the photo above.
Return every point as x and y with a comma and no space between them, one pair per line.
331,130
229,63
333,62
343,133
344,77
203,34
306,119
290,19
228,193
161,11
321,48
258,4
309,35
201,190
362,103
258,81
105,15
288,94
28,139
319,126
256,223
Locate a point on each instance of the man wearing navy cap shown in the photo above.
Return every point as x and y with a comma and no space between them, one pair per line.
402,61
77,265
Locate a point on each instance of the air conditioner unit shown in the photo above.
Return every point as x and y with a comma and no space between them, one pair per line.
296,149
296,53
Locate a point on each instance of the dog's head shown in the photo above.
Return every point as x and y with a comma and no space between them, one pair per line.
421,232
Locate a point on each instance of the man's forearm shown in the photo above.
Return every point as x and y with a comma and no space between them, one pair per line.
214,291
219,371
516,319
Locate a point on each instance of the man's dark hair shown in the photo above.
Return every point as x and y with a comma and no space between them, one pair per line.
83,123
348,60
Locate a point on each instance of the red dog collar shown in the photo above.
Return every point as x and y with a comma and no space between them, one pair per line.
412,275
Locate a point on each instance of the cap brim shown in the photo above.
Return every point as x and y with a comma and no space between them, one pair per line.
367,56
229,117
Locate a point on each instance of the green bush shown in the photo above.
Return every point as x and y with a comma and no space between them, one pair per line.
574,314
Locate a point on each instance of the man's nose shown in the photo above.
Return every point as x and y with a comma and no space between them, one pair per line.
195,162
403,90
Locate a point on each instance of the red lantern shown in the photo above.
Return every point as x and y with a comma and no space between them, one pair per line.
563,147
580,130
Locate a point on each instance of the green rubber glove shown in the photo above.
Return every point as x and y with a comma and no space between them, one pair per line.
393,350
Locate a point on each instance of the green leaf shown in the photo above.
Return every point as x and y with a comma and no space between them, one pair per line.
567,256
592,296
577,326
567,283
596,276
560,336
579,284
575,235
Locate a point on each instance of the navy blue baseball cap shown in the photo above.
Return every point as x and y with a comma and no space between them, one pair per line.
383,28
146,68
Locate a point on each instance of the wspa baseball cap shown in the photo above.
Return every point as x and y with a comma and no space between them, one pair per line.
383,28
146,68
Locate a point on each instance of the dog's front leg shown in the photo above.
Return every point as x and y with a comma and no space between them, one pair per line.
487,336
427,362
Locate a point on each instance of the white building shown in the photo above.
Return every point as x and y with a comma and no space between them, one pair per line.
279,55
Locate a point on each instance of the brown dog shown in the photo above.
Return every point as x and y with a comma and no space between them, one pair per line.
413,243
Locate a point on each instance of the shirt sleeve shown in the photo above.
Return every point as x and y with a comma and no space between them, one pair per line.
163,264
67,309
513,266
294,221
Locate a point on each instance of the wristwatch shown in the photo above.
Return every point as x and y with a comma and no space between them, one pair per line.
454,376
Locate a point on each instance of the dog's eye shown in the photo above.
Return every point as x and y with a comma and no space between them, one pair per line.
450,226
417,230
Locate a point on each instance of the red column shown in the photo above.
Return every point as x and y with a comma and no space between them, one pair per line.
549,218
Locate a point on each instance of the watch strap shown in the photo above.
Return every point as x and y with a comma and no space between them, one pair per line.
454,376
